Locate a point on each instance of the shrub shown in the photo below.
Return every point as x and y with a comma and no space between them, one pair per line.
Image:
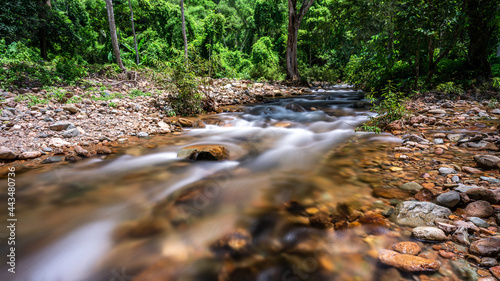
450,88
188,99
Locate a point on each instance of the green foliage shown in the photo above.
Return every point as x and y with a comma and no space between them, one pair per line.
188,100
113,104
69,69
264,60
138,93
495,82
493,102
450,88
389,108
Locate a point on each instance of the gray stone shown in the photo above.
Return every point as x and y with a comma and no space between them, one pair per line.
455,179
48,119
59,126
413,213
481,193
449,199
415,138
7,154
463,188
437,111
488,262
47,149
429,233
446,171
142,135
490,180
455,137
487,161
438,141
483,114
495,111
52,159
411,186
479,222
71,133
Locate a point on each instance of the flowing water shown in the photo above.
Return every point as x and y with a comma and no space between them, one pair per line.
147,214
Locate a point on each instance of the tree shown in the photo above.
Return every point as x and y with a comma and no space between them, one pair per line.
114,38
481,16
184,36
133,32
42,30
295,16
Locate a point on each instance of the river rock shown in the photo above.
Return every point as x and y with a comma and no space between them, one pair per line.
407,263
71,108
142,135
409,248
471,170
437,111
30,155
486,247
479,222
71,133
490,180
413,213
481,209
233,244
7,154
204,152
488,262
57,142
455,137
429,233
487,161
446,171
495,271
449,199
52,159
481,193
60,126
185,122
415,138
411,186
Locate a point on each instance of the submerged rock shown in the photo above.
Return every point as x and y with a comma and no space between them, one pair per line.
407,263
413,213
409,248
204,152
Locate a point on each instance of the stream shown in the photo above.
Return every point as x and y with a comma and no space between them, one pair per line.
143,213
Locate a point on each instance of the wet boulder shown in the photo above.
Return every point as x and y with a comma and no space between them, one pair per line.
487,161
489,247
407,263
204,152
295,107
413,213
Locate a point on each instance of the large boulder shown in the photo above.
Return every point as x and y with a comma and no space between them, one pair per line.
6,154
209,152
413,213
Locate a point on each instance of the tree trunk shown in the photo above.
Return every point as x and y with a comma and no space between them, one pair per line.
184,36
292,69
294,19
133,32
42,31
481,15
114,39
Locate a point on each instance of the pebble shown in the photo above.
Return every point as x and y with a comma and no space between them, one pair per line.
52,159
71,133
490,180
437,111
488,262
429,233
481,209
449,199
478,222
60,126
30,155
446,171
142,135
471,170
57,142
455,137
411,186
407,263
409,248
47,149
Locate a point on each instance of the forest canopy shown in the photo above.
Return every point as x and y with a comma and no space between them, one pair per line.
415,43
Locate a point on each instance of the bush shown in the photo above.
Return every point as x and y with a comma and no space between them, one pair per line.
69,69
265,61
450,88
188,99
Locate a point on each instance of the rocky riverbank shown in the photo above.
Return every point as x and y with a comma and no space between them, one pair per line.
74,122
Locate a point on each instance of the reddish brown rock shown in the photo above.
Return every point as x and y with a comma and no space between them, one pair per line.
424,195
471,170
486,247
495,271
480,209
407,263
481,193
409,248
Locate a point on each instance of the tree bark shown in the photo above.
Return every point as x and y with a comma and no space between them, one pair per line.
42,31
481,16
294,19
133,32
184,36
114,38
